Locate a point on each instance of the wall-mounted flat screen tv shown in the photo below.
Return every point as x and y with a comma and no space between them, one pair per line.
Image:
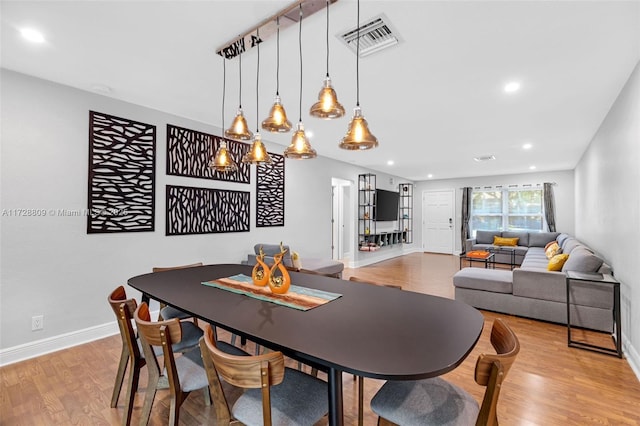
386,207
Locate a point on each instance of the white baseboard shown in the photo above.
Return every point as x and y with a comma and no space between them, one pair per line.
633,358
63,341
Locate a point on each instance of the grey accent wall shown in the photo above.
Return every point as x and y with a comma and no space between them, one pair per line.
563,194
51,267
608,202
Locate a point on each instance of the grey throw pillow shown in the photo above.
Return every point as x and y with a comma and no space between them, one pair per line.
582,260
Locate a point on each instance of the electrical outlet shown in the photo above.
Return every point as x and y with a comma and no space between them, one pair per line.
37,322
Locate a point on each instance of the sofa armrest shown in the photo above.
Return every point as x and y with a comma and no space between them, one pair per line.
540,284
468,244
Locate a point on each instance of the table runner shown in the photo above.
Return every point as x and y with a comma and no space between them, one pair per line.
301,298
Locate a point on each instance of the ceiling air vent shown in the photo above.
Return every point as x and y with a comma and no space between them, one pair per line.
375,34
484,158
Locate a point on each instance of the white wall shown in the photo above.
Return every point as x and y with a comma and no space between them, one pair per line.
50,266
608,203
563,195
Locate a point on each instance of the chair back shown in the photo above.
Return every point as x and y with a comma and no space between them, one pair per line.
161,333
124,308
171,268
492,369
249,372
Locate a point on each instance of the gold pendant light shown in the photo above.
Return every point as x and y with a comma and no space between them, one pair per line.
258,152
223,160
300,148
239,129
277,121
358,136
327,106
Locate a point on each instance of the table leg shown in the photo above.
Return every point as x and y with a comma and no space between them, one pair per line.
335,397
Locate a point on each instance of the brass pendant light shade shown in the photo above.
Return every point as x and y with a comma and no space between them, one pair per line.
358,136
239,129
258,152
300,148
223,161
277,121
327,106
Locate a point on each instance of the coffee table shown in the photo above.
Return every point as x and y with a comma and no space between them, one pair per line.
488,260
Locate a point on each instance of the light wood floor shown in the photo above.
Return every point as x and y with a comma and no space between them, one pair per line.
550,384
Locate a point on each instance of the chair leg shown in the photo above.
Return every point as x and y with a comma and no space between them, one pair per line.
207,396
122,368
132,387
148,399
360,400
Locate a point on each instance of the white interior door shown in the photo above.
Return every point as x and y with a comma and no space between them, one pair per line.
341,230
437,221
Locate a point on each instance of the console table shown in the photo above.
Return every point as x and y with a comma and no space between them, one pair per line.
616,334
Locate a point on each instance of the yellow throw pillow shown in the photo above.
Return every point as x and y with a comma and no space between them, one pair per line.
549,243
557,262
500,241
552,250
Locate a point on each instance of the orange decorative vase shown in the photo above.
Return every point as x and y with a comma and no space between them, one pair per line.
260,274
279,279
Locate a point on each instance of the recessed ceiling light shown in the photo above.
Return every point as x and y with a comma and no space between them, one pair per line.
390,163
527,146
512,86
484,158
101,88
309,133
532,167
429,176
32,35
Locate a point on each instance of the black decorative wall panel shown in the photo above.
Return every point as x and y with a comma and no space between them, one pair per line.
121,175
270,193
205,211
189,153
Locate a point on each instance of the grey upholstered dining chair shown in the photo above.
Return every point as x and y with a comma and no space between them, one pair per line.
274,395
436,401
169,312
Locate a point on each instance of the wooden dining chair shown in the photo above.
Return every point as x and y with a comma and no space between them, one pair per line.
184,373
274,394
436,401
168,312
360,378
130,355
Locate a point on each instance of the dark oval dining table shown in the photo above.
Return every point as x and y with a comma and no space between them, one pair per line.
371,331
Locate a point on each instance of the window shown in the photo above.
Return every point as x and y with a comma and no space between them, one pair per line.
507,210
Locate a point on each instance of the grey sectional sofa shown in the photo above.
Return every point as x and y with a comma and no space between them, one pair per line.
534,292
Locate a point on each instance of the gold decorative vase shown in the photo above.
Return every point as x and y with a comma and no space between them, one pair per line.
279,279
260,274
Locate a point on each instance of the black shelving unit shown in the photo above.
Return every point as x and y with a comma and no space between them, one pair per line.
368,238
406,211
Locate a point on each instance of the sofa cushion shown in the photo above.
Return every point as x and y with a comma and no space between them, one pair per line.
570,244
523,237
540,239
561,238
552,250
582,260
486,237
493,280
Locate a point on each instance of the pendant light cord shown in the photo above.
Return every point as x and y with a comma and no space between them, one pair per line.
327,38
300,49
240,91
257,81
224,86
278,57
358,61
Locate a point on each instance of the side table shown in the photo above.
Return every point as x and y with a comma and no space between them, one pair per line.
616,333
506,250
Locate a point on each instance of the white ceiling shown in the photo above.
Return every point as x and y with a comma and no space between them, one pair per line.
434,101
